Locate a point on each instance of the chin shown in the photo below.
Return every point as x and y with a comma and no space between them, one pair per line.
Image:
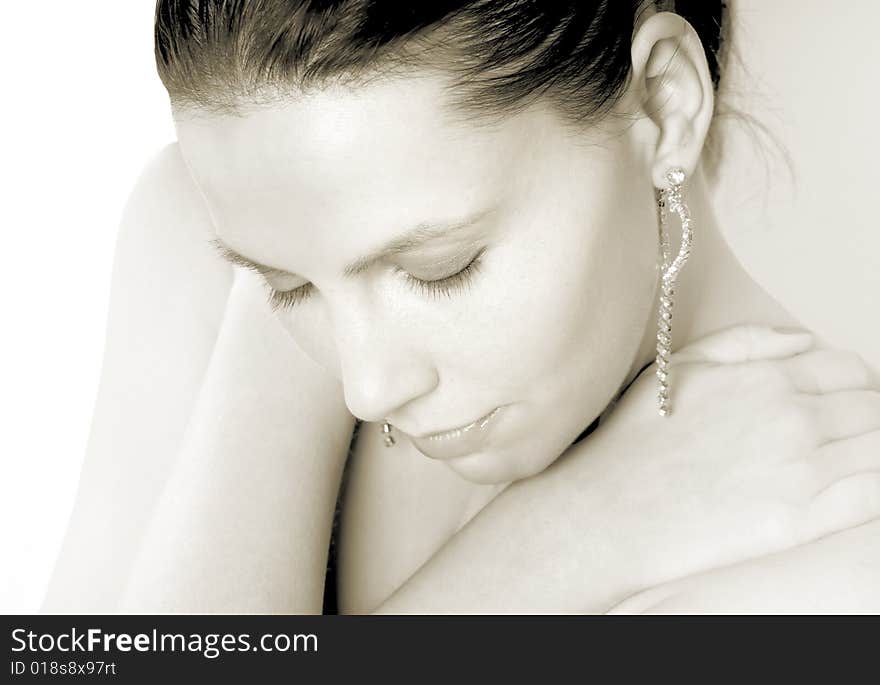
492,468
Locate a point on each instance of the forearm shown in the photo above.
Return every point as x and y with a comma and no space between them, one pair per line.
244,520
836,574
507,559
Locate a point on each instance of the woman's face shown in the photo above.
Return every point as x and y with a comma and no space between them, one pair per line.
559,230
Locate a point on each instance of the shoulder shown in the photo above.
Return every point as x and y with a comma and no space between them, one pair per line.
165,204
164,256
166,172
837,574
167,300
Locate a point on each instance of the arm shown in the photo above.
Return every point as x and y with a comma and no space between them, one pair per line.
243,524
631,503
517,556
838,574
184,356
167,297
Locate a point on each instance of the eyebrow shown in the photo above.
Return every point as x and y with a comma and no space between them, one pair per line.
416,237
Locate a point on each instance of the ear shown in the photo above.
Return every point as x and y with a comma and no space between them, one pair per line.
673,92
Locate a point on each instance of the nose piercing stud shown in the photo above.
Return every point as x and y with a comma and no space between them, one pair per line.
386,431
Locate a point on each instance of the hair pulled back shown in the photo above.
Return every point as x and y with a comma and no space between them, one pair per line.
501,54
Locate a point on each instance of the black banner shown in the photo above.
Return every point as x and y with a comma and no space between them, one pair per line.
144,648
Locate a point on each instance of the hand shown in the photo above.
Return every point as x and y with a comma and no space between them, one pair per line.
771,444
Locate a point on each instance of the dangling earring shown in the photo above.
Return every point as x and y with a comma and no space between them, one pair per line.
386,430
669,197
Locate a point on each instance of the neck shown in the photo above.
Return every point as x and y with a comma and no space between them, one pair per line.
713,290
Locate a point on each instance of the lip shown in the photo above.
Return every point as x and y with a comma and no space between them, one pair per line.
458,442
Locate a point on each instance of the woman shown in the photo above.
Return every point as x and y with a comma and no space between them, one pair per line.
454,208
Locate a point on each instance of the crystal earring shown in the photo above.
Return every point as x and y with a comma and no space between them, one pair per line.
386,431
669,197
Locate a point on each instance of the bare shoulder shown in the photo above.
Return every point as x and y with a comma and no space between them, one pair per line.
166,228
166,187
168,296
165,175
837,574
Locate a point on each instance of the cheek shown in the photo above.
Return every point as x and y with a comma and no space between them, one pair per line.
564,319
560,317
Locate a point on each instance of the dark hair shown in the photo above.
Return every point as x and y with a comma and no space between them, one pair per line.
502,54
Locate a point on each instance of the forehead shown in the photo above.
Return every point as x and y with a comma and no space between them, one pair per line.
291,182
377,158
337,134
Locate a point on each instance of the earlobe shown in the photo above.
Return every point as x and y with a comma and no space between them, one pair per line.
674,87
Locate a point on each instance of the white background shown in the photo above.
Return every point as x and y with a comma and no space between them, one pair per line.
83,111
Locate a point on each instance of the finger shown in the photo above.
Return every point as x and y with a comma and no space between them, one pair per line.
843,458
844,504
822,371
845,414
744,343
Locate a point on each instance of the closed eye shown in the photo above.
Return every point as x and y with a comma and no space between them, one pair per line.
446,286
287,299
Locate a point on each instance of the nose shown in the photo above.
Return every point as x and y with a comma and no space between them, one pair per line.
382,364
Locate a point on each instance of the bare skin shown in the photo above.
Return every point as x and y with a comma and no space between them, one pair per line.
260,509
368,574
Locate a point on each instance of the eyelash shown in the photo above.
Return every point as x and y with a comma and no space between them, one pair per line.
287,299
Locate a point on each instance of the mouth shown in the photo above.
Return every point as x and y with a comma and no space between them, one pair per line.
455,432
458,441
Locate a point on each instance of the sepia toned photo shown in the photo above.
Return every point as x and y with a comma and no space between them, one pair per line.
453,307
